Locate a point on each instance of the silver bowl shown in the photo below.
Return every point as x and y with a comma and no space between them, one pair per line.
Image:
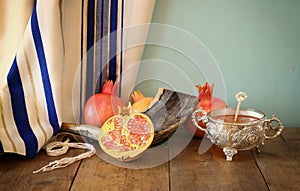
249,130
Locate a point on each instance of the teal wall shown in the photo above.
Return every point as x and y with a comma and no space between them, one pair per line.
256,44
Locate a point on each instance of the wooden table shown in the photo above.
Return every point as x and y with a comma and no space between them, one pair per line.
277,167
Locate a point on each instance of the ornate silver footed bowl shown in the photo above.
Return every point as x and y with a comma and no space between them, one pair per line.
250,129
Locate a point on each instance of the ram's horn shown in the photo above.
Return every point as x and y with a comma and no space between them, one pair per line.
168,110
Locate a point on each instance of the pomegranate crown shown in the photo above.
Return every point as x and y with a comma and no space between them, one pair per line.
107,87
205,91
136,96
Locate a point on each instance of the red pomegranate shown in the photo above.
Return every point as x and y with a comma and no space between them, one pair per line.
208,103
99,107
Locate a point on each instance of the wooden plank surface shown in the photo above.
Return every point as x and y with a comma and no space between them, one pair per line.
277,167
16,173
210,171
96,174
291,137
279,161
99,173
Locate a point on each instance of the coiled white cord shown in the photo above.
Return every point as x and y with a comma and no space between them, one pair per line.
58,148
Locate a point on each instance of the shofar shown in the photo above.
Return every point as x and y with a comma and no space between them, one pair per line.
168,110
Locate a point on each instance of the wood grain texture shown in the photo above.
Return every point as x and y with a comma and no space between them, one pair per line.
101,172
96,174
16,173
279,161
210,171
154,179
277,167
291,137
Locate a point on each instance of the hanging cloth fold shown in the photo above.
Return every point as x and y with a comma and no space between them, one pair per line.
102,23
37,78
110,29
30,98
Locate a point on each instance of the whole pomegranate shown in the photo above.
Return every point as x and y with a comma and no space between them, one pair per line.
127,135
99,107
140,102
208,103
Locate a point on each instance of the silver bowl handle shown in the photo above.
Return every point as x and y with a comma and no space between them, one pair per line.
197,118
270,126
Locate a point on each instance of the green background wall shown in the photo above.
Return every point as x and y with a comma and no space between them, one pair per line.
256,44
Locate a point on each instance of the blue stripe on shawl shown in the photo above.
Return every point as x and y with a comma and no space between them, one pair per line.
90,44
113,40
19,110
104,34
90,24
44,71
121,46
101,37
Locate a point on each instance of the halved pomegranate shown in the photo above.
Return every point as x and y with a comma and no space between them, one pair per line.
127,135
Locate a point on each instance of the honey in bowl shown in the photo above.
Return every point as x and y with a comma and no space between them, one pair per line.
245,116
240,119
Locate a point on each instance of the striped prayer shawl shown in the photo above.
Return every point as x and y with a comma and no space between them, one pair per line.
101,43
29,100
32,98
